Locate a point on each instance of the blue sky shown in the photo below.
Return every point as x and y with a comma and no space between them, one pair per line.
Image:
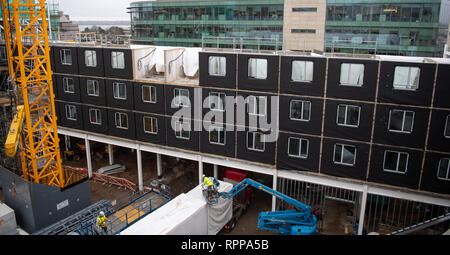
95,9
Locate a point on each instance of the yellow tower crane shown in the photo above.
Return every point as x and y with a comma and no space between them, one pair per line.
25,27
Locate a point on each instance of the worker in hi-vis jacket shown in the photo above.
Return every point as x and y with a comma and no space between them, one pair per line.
101,222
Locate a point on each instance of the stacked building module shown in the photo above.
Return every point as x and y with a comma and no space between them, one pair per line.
374,119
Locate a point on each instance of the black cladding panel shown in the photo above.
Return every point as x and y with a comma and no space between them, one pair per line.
307,88
222,144
430,180
95,119
65,59
96,67
208,80
147,134
288,162
437,139
128,129
267,156
66,120
58,113
313,126
170,93
356,171
366,91
124,73
212,99
67,94
157,106
115,102
265,117
410,179
346,129
415,139
442,92
96,98
421,96
190,139
269,84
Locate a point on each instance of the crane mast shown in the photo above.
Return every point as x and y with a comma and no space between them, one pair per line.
25,26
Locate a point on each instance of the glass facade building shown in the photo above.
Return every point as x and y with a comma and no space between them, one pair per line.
184,23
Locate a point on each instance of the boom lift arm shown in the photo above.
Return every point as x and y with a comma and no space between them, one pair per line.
299,221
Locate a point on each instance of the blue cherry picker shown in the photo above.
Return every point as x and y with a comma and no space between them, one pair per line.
299,221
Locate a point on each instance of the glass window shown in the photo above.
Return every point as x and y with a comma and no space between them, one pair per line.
447,127
120,90
298,147
348,115
344,154
148,94
257,68
217,101
71,112
118,60
121,120
95,116
302,71
217,66
406,77
183,130
352,74
401,121
304,9
257,105
395,161
181,97
300,110
66,57
150,125
93,88
217,135
444,169
255,141
68,85
90,57
303,31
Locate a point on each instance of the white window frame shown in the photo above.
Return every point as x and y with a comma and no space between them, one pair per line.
98,116
64,53
254,139
66,85
119,123
179,125
115,64
345,124
254,109
447,123
116,90
303,107
217,96
406,86
152,92
343,83
90,56
403,122
342,154
221,69
153,125
69,112
447,176
249,74
300,147
398,162
96,87
177,95
219,130
306,64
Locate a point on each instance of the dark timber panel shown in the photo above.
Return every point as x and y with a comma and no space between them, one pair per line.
66,96
129,133
98,70
126,72
270,84
228,112
313,126
227,150
207,80
159,137
62,68
156,107
192,143
436,139
102,127
91,99
267,156
430,180
127,103
441,96
284,161
77,123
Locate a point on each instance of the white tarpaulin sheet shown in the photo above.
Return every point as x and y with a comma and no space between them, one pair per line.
187,214
190,61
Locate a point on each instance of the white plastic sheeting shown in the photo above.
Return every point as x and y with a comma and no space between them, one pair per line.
187,214
190,61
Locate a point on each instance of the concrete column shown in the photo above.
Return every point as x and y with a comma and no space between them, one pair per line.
139,166
88,157
216,170
274,198
200,169
159,165
363,210
111,154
